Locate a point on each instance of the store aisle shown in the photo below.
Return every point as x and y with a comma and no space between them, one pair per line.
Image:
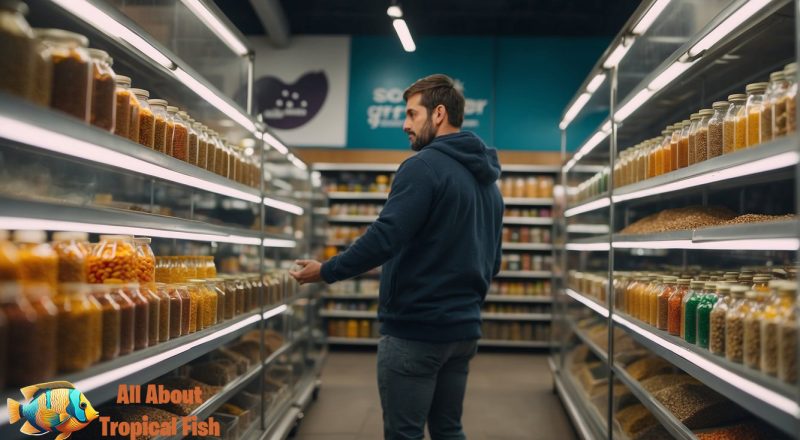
509,397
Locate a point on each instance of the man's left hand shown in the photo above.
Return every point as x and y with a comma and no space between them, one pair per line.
309,272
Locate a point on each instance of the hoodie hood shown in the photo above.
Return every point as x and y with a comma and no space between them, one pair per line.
470,151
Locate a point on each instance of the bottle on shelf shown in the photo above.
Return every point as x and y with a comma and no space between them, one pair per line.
77,340
754,109
146,118
752,329
790,97
734,136
72,72
704,308
716,332
734,324
715,129
72,255
38,262
123,104
159,108
689,308
103,109
701,135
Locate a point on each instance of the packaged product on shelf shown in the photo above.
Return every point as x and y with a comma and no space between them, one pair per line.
790,97
71,88
683,139
19,50
217,286
38,262
111,321
651,310
689,310
113,258
670,286
169,328
701,135
697,406
127,313
787,342
102,113
202,145
24,329
186,307
774,311
754,110
72,253
159,109
141,315
729,125
715,129
146,119
180,137
196,310
40,295
704,308
153,312
76,344
9,259
123,106
220,167
169,130
211,154
209,307
193,141
716,332
734,324
145,260
752,329
775,88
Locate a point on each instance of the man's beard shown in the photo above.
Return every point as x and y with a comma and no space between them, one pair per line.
425,136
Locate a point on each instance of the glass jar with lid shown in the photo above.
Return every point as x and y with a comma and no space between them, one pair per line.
159,108
734,131
40,295
211,154
155,304
716,332
103,111
665,142
110,321
704,308
19,50
24,330
689,308
128,316
688,138
193,141
202,144
172,114
76,344
38,262
787,338
147,120
186,306
715,124
175,311
774,312
145,260
162,270
113,258
230,297
217,286
651,308
658,164
752,329
72,254
761,283
220,167
196,306
734,324
790,97
42,73
701,135
9,259
141,313
775,88
754,109
71,88
670,286
124,106
209,304
180,138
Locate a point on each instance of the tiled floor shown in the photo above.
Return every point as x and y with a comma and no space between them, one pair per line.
509,397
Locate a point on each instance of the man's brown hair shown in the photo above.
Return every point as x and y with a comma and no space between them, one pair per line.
438,90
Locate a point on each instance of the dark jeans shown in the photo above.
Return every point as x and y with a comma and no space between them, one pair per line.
423,381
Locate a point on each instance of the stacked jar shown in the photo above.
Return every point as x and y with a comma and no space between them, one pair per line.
71,87
103,108
146,118
124,106
159,109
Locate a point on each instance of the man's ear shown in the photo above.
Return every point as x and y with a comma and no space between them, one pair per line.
440,113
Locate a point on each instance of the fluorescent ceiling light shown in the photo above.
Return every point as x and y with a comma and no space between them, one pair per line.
631,106
276,242
588,303
283,206
216,25
595,83
747,10
273,142
618,53
212,98
404,34
574,109
783,160
586,207
114,29
52,141
650,17
394,11
668,75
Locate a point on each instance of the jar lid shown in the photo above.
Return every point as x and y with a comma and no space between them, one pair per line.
98,54
70,236
30,236
720,104
686,123
787,288
737,290
761,279
737,97
116,237
777,76
697,284
161,102
711,285
14,5
61,36
142,240
183,114
122,79
756,87
694,116
706,112
684,281
141,92
751,294
790,69
172,109
724,287
9,291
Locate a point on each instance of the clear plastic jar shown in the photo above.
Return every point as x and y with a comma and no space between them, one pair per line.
175,326
211,155
72,254
734,130
704,308
790,97
755,109
651,310
670,285
24,329
103,111
689,132
180,139
42,74
666,142
186,307
124,106
141,312
689,309
159,108
172,114
193,141
775,311
221,168
734,324
19,50
701,136
76,314
128,316
752,329
200,296
715,129
113,258
147,120
202,145
155,304
145,260
110,321
40,295
71,89
38,262
775,88
216,285
716,333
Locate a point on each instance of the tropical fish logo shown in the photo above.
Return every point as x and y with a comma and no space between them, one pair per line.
52,407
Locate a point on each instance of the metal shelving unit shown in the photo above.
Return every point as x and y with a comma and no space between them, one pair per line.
669,60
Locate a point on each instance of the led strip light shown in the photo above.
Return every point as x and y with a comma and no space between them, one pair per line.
283,206
586,207
588,246
588,303
763,244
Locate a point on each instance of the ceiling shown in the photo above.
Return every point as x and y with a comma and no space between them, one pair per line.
444,17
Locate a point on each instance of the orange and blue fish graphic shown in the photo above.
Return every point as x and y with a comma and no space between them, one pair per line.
52,407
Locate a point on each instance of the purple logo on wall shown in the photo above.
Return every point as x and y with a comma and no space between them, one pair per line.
287,106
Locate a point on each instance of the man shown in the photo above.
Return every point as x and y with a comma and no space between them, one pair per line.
438,238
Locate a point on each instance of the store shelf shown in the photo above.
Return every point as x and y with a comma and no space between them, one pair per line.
368,296
28,214
343,195
53,132
519,299
516,316
352,341
499,343
588,302
524,274
281,420
528,221
363,314
589,205
352,218
527,247
527,201
778,235
584,419
764,396
739,166
599,352
376,167
587,229
531,169
674,426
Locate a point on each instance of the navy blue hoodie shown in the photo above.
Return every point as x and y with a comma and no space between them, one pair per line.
438,239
